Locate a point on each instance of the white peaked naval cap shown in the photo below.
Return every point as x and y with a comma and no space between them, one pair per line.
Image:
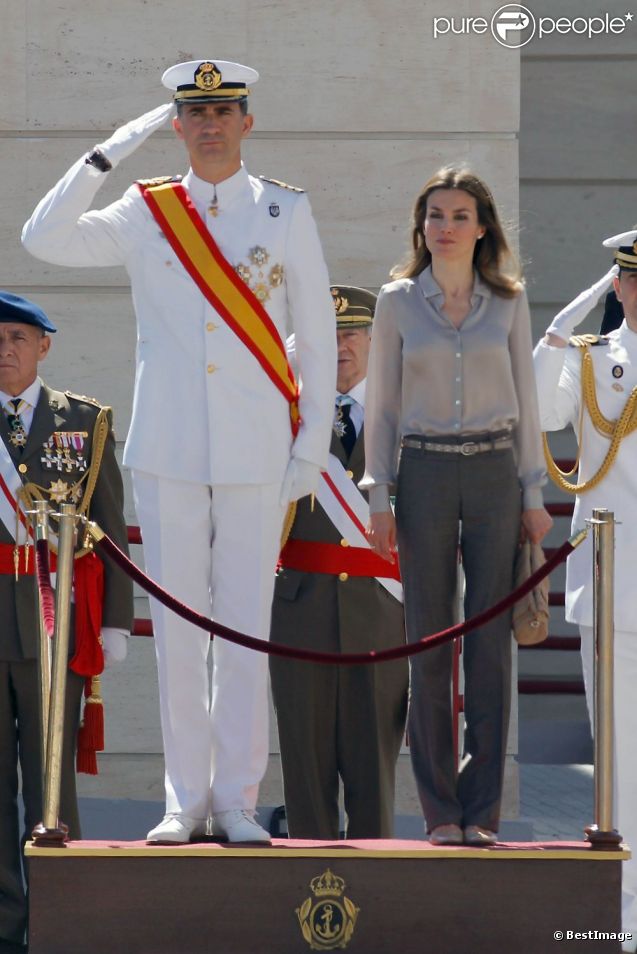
625,247
199,81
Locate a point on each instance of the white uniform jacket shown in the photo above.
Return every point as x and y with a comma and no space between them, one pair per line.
558,373
203,408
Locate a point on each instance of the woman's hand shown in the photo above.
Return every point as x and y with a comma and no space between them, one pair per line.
381,534
536,524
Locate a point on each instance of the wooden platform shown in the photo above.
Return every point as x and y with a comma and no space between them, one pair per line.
370,897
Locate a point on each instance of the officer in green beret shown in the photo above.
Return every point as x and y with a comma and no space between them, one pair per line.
58,446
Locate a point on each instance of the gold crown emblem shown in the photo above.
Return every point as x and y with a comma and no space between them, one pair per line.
328,919
635,247
327,884
341,303
207,76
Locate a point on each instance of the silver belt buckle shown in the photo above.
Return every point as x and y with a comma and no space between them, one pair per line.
469,448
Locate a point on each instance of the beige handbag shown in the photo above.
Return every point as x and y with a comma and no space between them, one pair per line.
531,613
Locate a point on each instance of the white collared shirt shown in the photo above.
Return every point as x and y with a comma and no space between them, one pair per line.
30,395
357,413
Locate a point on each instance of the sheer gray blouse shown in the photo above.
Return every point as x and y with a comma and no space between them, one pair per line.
427,377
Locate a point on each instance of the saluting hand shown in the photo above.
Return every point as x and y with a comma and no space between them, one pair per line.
565,322
127,138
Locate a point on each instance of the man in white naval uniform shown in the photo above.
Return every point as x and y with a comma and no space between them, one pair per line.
211,448
559,380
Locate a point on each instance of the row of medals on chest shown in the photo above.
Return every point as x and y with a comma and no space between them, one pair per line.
63,452
257,276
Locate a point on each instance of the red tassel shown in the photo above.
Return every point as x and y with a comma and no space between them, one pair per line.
86,762
90,737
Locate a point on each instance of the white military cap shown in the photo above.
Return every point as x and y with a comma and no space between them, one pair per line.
204,81
625,246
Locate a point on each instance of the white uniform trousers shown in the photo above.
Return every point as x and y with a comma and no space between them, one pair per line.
625,784
215,549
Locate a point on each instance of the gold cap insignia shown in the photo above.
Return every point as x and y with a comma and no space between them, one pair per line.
207,77
328,919
341,303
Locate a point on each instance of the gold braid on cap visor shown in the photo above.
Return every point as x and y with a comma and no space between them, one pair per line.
225,93
625,260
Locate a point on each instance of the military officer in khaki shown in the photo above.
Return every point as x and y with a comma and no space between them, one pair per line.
332,593
47,449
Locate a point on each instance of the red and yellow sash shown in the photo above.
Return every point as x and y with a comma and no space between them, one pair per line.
217,280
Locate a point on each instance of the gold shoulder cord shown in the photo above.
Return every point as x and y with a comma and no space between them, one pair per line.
31,491
287,523
615,430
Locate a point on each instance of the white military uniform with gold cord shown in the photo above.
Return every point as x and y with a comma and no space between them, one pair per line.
559,381
210,439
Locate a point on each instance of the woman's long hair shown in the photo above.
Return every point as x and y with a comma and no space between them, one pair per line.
493,258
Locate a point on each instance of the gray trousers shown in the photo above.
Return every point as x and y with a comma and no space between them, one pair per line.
439,496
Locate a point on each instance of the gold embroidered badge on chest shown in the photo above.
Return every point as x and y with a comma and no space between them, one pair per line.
257,276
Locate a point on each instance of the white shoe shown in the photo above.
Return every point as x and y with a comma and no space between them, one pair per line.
239,825
176,829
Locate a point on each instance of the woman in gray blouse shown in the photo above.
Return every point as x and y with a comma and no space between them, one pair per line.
451,420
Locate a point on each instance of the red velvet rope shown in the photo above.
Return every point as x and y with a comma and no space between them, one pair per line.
47,596
106,545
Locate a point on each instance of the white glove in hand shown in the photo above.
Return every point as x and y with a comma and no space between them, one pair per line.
114,645
576,311
126,139
301,478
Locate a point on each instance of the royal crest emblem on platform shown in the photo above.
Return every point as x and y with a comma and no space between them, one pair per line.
328,919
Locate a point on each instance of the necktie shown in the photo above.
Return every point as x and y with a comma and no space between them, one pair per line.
17,433
343,424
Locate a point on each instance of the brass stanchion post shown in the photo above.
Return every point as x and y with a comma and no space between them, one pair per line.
51,831
41,508
602,834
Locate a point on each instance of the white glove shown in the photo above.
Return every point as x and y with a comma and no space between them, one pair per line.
114,645
576,311
129,137
301,478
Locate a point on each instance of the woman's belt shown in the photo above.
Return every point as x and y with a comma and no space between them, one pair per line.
452,444
336,559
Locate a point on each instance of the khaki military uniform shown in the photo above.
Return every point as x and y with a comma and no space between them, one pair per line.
59,419
333,721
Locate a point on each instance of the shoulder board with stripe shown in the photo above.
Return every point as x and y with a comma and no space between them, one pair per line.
83,397
159,180
584,341
283,185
